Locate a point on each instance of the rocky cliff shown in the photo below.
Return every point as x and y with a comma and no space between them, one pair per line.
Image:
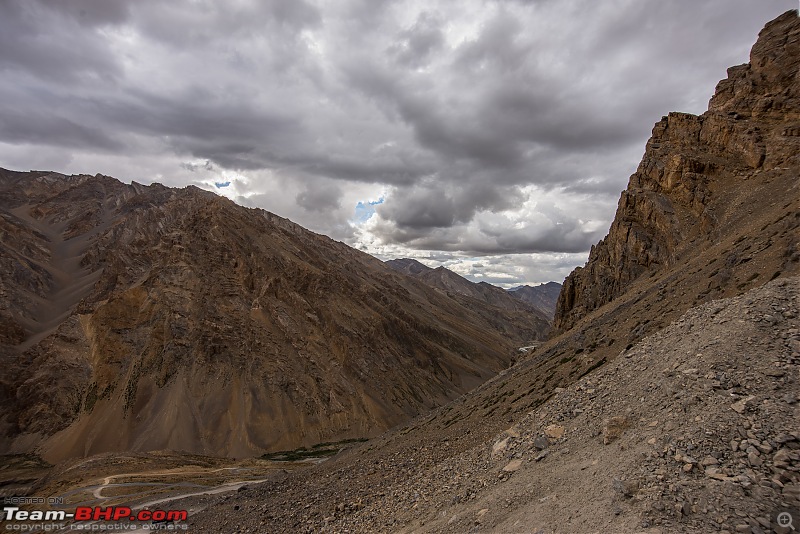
142,318
726,175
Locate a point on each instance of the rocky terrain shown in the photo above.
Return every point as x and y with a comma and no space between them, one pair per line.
491,302
728,173
142,318
543,297
668,398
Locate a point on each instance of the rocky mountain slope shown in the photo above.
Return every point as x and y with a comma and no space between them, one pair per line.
515,317
543,297
141,318
724,182
667,402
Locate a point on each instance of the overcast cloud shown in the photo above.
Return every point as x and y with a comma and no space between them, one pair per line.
493,137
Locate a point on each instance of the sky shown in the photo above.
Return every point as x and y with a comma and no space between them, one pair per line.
493,137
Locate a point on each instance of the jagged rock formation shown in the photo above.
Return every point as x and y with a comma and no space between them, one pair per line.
543,297
728,174
515,318
141,318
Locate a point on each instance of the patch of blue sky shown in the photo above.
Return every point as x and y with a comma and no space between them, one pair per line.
365,210
220,185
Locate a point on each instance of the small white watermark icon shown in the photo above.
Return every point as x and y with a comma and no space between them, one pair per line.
785,520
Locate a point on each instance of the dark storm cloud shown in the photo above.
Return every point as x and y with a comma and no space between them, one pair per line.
433,204
50,42
230,24
88,13
401,172
462,112
453,139
194,167
39,127
498,49
563,236
219,130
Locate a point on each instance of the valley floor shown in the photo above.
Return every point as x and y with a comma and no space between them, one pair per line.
136,480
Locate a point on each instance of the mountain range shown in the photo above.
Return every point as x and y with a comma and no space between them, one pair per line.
543,297
484,297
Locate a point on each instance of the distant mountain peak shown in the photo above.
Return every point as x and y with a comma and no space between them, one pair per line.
543,296
515,315
408,265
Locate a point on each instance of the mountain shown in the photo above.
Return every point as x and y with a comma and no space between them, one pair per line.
409,266
542,297
515,318
717,192
143,317
668,400
455,284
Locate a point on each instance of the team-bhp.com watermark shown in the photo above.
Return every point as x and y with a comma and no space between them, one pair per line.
92,518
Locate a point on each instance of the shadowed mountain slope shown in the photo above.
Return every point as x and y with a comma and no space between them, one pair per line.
542,297
515,318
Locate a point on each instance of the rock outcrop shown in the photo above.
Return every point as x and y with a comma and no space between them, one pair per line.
141,318
724,174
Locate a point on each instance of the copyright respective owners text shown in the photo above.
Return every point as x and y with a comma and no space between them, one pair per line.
39,514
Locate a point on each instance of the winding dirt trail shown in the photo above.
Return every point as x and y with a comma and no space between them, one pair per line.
222,488
148,487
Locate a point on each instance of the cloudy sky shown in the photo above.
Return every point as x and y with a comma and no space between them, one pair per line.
491,136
